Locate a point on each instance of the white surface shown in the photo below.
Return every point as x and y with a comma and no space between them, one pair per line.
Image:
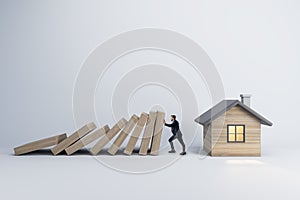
274,176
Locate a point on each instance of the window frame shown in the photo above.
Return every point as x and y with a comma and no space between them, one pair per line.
235,133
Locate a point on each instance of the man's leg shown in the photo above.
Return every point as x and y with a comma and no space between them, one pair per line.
171,143
179,137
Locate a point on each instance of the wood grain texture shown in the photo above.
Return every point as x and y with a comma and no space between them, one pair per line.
236,115
207,138
39,144
159,123
82,142
73,138
109,136
123,135
136,133
147,133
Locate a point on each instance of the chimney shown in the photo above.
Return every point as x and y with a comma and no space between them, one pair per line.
246,99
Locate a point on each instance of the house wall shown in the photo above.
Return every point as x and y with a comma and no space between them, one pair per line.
207,138
236,115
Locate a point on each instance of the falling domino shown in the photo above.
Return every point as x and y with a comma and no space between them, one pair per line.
153,124
136,133
147,133
87,140
73,138
109,136
39,144
122,136
159,123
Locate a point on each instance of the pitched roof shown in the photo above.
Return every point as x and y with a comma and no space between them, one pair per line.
223,107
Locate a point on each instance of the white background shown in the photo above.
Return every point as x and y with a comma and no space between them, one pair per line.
254,45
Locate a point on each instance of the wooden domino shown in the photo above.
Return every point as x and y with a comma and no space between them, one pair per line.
136,133
109,136
87,140
73,138
39,144
159,123
123,135
147,133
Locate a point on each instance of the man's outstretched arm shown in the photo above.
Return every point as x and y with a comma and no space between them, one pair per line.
169,125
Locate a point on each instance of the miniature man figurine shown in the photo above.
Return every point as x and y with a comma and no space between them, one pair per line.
176,135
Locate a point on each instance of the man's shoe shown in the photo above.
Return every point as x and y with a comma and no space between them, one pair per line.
172,151
183,153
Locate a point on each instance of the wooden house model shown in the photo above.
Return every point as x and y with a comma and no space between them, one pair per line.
232,128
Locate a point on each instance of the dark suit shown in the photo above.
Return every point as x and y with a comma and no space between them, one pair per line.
176,134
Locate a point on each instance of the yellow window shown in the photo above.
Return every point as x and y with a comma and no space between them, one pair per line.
231,129
239,129
236,133
231,137
240,137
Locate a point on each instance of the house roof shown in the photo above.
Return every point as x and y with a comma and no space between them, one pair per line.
223,107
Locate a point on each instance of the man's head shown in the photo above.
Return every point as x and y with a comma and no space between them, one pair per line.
173,117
